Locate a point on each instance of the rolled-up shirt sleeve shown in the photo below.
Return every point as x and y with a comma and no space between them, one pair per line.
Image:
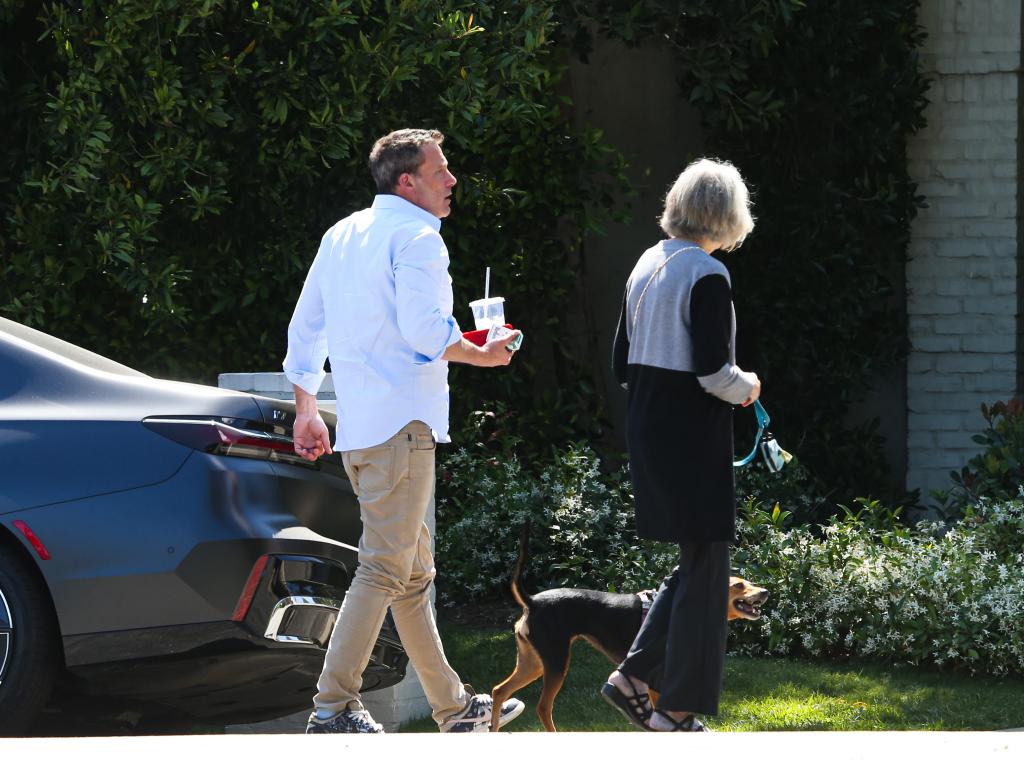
423,297
711,323
307,336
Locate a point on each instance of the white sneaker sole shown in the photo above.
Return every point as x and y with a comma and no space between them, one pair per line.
483,724
508,717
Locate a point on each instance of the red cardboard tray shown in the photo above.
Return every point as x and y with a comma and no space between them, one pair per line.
480,337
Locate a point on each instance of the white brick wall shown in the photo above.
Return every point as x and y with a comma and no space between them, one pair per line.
962,275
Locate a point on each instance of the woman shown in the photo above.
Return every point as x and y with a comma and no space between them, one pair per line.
675,354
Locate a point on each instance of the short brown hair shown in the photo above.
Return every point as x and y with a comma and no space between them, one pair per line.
397,153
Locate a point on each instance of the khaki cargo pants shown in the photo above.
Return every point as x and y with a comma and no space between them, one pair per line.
394,482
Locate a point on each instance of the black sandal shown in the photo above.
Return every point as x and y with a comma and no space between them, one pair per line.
636,708
687,724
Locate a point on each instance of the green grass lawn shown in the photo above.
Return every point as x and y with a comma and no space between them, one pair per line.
759,694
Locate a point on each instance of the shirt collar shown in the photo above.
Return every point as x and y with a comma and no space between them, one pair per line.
396,203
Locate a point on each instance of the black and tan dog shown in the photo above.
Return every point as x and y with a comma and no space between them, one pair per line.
554,619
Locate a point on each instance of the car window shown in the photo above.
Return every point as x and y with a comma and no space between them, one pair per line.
65,349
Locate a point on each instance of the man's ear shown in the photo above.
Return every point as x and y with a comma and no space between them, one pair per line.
405,181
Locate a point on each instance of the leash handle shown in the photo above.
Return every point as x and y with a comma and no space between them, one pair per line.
763,420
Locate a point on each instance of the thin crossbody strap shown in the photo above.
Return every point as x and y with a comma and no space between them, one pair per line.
636,312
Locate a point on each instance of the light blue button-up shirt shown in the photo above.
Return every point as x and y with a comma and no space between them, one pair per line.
378,300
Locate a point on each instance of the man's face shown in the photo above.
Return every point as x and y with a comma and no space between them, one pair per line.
430,187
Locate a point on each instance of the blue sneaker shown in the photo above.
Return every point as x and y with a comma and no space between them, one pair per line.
476,717
347,721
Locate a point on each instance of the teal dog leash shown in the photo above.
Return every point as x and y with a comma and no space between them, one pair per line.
765,444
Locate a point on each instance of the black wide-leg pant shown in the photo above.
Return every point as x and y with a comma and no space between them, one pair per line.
680,649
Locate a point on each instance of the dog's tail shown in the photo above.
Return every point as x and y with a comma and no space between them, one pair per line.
518,592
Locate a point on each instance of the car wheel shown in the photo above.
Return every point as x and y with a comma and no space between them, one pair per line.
29,643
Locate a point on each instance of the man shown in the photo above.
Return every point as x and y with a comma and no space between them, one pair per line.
378,300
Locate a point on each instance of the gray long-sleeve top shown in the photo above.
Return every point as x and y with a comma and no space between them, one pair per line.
678,315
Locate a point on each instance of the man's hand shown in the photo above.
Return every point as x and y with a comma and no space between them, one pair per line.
311,438
490,355
309,433
495,352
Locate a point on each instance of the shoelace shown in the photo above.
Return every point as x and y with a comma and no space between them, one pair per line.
480,705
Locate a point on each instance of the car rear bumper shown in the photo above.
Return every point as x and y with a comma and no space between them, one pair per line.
205,671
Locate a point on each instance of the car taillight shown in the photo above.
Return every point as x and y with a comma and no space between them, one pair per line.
228,437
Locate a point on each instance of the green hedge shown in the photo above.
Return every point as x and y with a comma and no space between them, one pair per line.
171,166
582,531
814,102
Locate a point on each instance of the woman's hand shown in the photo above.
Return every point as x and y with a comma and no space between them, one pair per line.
755,393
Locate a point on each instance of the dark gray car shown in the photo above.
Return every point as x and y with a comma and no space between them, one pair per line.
162,546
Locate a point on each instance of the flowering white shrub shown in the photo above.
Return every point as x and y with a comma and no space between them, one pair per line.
582,531
864,586
944,596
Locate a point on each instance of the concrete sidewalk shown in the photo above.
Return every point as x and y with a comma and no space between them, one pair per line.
765,750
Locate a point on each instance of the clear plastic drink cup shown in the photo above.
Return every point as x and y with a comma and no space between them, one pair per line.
488,312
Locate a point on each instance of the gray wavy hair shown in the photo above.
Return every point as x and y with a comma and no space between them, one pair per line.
709,201
397,153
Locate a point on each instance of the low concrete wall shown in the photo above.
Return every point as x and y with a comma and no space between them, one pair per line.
275,385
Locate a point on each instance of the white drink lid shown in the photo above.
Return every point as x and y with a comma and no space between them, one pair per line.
484,302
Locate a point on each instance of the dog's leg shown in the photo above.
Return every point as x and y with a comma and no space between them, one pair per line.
528,668
653,694
554,676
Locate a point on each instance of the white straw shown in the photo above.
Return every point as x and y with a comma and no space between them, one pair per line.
487,283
